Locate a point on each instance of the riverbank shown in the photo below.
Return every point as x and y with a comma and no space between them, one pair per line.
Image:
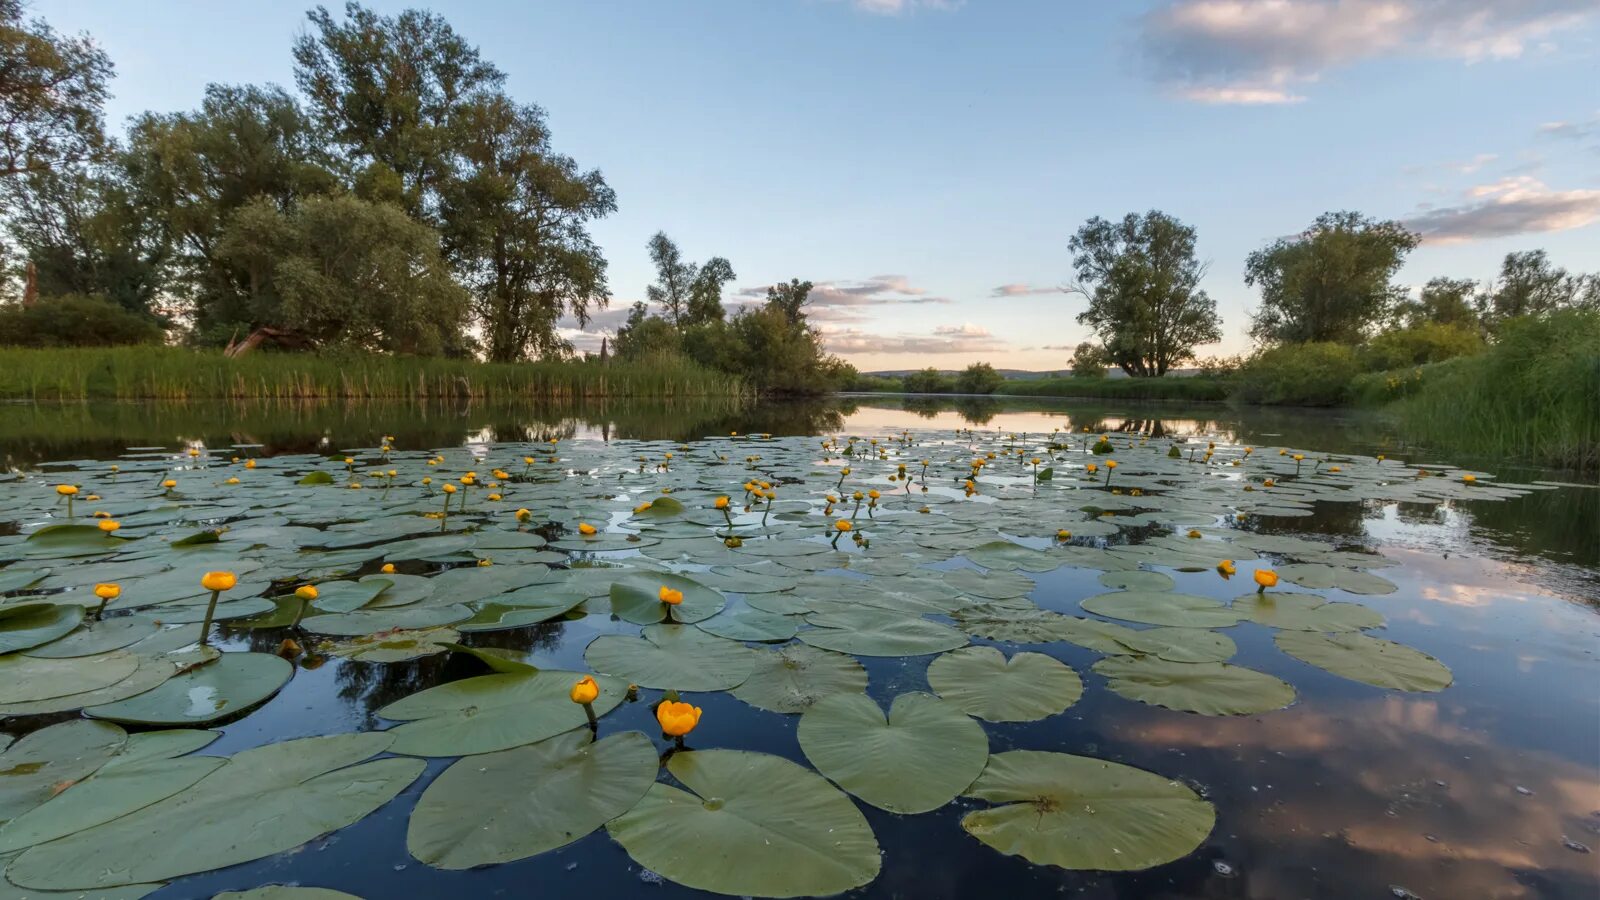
172,373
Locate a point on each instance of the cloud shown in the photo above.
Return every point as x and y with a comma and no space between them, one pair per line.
845,301
1511,206
898,7
967,338
1024,290
1265,51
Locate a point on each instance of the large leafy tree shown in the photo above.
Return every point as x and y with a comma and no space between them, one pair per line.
345,272
1531,285
515,217
688,293
1142,279
1442,301
386,89
1331,282
52,88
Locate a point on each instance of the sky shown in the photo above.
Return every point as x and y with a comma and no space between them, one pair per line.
924,162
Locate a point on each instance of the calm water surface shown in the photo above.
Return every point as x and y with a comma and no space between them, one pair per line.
1489,789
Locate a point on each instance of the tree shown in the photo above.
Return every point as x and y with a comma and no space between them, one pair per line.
642,335
345,272
1442,301
1331,282
74,321
1089,360
790,298
688,294
1142,279
52,88
515,219
1530,285
979,378
386,89
927,381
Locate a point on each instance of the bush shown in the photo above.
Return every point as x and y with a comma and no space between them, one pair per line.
979,378
75,321
1315,374
928,381
1429,342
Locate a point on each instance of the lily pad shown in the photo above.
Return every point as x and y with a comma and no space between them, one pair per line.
1318,576
493,712
232,684
790,679
25,679
1137,580
869,631
754,825
918,758
1163,608
112,792
1210,689
27,625
396,646
679,657
505,806
263,802
749,624
98,637
36,764
982,682
1306,612
1367,659
285,892
637,599
1077,812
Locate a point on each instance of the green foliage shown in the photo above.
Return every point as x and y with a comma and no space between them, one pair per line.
1142,278
1530,285
1425,342
52,88
172,373
345,272
1089,360
75,321
1312,374
1332,282
979,378
928,381
1442,301
1167,387
687,293
1531,394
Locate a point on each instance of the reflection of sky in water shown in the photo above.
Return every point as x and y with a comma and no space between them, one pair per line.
1478,791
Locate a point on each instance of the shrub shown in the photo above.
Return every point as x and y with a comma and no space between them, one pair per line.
979,378
1314,374
75,321
1429,342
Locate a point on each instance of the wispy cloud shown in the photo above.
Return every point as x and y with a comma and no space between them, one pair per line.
945,339
1267,51
1024,290
847,301
1511,206
900,7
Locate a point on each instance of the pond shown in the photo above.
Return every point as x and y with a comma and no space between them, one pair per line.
1079,699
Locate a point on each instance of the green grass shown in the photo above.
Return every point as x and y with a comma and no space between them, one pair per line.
1197,389
1534,395
170,373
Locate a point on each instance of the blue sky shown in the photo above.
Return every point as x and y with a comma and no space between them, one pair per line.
925,161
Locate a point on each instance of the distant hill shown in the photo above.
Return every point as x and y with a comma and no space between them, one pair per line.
1026,375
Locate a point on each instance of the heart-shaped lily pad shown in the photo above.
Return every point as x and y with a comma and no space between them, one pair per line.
790,679
983,683
1211,689
1367,659
26,625
680,657
918,758
637,599
232,684
493,712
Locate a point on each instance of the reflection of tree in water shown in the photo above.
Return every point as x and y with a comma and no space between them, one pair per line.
977,410
1420,513
1561,524
1336,519
926,407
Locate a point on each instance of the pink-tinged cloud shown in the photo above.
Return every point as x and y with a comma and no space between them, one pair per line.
1511,206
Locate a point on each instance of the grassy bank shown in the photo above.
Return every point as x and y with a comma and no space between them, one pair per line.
169,373
1535,395
1198,389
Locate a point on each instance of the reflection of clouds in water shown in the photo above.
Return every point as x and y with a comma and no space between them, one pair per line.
1396,786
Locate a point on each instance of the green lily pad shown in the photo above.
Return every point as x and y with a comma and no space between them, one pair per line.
285,892
113,791
1137,580
25,679
97,637
36,764
1188,645
1306,612
755,825
679,657
995,585
869,631
493,712
371,621
1367,659
790,679
263,802
1210,689
24,626
505,806
919,758
232,684
1077,812
395,646
1318,576
1163,608
982,682
749,624
637,599
349,596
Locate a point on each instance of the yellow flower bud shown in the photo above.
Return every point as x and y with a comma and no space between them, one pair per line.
108,592
218,581
677,719
306,592
584,690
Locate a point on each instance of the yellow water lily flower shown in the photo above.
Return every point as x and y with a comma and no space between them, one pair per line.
307,592
218,581
585,690
388,569
249,464
524,515
449,489
842,525
231,481
585,529
641,507
1063,535
721,503
109,525
66,490
169,484
1226,567
108,591
677,719
1469,478
494,498
670,596
1193,534
1266,578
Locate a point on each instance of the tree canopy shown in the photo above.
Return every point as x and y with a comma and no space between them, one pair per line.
1331,282
1142,279
52,89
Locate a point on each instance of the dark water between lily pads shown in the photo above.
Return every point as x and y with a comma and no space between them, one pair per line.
1487,788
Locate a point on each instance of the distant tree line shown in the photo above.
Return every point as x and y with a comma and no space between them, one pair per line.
397,201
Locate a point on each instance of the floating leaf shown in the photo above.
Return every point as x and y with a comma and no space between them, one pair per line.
750,624
264,801
493,712
34,766
285,892
1367,659
1077,812
98,637
25,679
637,599
349,596
1137,580
790,679
1211,689
27,625
983,683
868,631
918,758
679,657
1305,612
395,646
505,806
232,684
755,825
1163,608
1324,577
114,791
316,476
